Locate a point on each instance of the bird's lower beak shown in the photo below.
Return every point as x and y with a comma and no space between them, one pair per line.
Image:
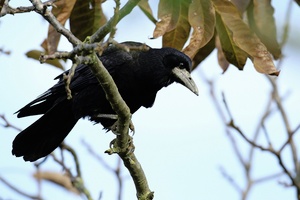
183,77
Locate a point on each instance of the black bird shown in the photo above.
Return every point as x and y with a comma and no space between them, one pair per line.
138,74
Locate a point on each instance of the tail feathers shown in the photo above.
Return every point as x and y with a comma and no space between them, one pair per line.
36,109
46,134
40,105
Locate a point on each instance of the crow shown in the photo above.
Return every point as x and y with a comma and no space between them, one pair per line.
138,74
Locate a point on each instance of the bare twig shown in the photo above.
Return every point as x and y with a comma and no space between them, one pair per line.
230,180
64,146
7,124
40,8
104,30
6,52
116,171
6,9
77,181
17,190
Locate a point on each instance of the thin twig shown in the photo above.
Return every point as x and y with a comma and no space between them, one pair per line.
40,8
74,155
104,30
6,9
230,180
7,124
17,190
77,181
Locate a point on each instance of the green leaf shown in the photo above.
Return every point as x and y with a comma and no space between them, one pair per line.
261,20
202,18
86,17
35,54
232,52
244,38
223,62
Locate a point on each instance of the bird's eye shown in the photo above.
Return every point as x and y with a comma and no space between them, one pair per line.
181,66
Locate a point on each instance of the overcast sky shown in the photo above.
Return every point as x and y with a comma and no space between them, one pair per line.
181,142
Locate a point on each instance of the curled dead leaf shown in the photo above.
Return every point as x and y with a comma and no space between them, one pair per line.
162,26
202,19
35,54
195,42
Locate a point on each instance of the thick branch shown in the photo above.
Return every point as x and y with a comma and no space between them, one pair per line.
124,115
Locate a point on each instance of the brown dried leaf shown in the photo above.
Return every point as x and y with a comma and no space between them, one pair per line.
162,26
202,19
58,179
241,4
35,54
177,37
261,20
168,13
203,53
62,11
244,38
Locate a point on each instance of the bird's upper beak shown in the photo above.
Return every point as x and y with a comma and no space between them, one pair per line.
183,77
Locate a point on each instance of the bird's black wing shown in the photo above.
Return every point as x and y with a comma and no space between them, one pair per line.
112,58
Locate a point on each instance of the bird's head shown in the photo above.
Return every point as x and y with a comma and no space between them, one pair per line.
179,66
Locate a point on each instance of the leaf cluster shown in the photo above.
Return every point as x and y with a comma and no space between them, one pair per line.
85,17
237,29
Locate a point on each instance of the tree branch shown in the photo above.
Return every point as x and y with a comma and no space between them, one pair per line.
123,141
7,124
40,8
17,190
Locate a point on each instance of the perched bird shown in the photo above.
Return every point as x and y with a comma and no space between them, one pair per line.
138,74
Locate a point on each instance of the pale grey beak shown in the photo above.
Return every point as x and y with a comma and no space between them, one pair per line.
183,77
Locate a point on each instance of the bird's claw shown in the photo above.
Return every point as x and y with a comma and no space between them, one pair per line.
114,128
114,147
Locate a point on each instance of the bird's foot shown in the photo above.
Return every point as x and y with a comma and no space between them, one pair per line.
115,148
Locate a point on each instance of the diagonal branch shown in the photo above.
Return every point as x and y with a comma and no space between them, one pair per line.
47,15
123,138
18,190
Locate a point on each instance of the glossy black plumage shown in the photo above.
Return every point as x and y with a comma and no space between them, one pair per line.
138,74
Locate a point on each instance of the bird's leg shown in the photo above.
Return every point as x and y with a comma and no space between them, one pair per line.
107,116
114,127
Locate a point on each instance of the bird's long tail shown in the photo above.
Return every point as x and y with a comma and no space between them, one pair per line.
46,134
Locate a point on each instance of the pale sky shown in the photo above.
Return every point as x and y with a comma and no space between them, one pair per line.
181,142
